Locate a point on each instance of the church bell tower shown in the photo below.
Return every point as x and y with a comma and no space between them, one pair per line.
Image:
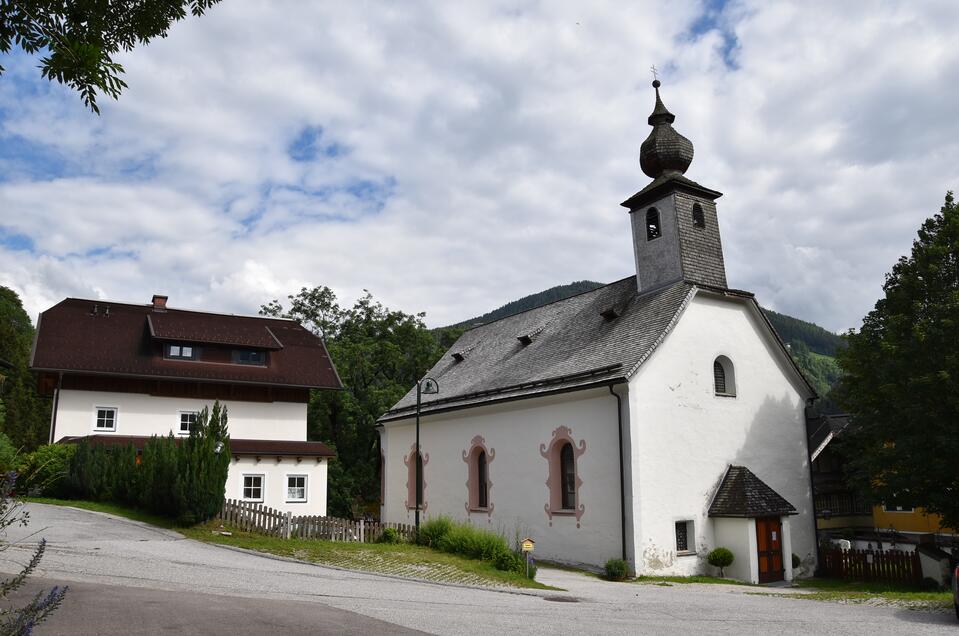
675,228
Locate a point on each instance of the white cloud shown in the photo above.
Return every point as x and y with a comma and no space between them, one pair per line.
481,152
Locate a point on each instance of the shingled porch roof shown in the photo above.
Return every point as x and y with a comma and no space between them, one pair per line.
743,494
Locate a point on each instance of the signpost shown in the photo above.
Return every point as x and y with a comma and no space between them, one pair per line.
527,548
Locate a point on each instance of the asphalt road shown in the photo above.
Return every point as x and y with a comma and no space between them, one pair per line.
126,577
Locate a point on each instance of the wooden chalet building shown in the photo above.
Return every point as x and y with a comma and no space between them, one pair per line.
120,372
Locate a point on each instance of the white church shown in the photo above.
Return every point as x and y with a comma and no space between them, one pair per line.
653,419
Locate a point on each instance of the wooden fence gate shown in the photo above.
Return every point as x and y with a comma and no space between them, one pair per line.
887,566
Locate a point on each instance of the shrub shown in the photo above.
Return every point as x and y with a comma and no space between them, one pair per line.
720,558
617,570
44,471
433,531
389,535
796,561
8,454
509,561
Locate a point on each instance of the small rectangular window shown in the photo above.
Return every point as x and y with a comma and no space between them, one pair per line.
180,352
187,421
898,508
295,488
253,487
249,356
106,418
684,529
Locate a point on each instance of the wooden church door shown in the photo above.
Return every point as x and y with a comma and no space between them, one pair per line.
769,536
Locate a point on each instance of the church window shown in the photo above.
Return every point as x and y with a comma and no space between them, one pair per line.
684,530
724,377
653,230
482,481
699,219
568,476
415,463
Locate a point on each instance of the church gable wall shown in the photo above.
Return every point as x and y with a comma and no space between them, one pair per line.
685,436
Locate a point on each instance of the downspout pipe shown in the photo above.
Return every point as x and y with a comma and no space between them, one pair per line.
622,476
812,489
56,405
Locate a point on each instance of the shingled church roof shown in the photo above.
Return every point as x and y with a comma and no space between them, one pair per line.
743,494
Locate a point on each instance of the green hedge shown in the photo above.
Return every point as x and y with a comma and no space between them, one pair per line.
179,478
44,471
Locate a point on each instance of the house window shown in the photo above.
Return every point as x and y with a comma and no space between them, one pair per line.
106,418
724,377
187,421
482,481
295,488
897,508
180,352
684,530
568,476
249,356
699,219
653,230
253,487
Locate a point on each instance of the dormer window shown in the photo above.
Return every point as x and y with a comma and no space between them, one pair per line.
653,230
253,357
699,219
180,352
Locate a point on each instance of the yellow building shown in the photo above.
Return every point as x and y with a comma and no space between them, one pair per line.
904,519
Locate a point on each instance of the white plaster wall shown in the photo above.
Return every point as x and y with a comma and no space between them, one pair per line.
684,436
140,414
275,473
739,535
518,472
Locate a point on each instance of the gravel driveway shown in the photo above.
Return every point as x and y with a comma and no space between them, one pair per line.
129,574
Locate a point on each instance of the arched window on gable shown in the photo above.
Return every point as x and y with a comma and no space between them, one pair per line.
653,229
478,485
567,463
724,377
699,219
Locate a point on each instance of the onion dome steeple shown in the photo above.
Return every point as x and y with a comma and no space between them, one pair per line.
665,151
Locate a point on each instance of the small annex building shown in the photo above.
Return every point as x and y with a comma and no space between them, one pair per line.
652,419
120,373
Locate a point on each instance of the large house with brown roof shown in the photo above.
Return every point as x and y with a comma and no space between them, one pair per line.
652,419
120,373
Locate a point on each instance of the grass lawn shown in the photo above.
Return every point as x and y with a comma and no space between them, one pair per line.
111,508
397,559
400,559
843,591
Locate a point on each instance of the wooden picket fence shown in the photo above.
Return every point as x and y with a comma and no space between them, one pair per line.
255,517
887,566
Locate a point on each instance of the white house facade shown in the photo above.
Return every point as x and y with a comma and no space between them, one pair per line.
120,373
653,419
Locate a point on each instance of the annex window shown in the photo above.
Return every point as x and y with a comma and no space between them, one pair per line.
295,488
253,487
105,418
249,356
482,481
180,352
684,531
653,229
567,464
699,219
187,422
724,377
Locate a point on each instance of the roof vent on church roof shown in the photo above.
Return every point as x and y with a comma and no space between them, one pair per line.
461,354
665,151
528,337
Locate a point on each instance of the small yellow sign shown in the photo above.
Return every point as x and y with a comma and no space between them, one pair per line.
528,544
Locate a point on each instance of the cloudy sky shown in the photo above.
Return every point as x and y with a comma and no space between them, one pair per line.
450,157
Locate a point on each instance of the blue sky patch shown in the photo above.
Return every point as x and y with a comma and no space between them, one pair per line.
309,145
17,242
711,20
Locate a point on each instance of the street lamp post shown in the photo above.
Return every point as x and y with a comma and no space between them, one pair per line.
426,386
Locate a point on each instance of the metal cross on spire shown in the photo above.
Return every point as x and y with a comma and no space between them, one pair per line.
654,72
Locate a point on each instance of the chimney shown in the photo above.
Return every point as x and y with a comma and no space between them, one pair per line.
159,302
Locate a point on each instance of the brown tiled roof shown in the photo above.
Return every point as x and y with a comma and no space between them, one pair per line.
117,340
266,447
743,494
